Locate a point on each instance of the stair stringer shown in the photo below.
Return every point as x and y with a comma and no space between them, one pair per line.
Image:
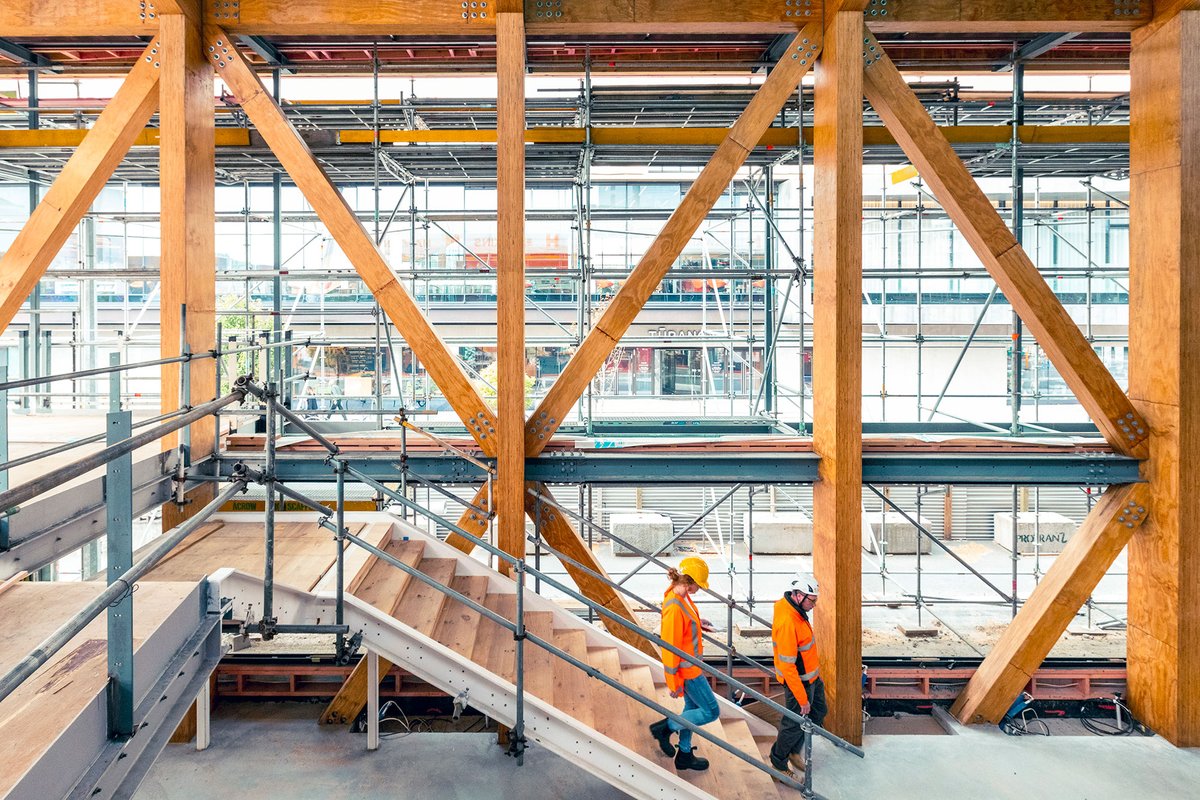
487,692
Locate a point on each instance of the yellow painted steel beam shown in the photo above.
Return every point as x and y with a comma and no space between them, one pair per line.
644,136
149,137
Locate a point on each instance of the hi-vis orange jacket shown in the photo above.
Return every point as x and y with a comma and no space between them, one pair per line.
681,629
792,640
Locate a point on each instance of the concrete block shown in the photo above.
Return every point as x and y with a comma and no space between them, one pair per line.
780,533
900,536
1048,530
645,530
914,631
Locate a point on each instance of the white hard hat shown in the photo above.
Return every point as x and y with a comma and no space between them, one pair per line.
803,582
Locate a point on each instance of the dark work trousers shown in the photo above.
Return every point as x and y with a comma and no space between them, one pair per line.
791,735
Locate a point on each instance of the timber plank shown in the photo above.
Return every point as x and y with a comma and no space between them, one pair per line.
420,605
573,688
501,657
739,780
459,623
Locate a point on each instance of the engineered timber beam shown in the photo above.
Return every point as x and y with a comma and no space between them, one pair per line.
81,179
674,236
187,262
510,282
187,257
1053,604
837,368
433,17
972,213
1163,636
348,232
989,16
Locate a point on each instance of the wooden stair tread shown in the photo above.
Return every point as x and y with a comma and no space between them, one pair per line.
739,780
539,663
459,623
573,688
380,583
420,605
614,710
501,654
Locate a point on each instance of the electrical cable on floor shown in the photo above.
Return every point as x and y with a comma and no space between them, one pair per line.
392,712
1123,723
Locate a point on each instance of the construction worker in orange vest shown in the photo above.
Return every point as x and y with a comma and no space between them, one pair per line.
798,669
681,628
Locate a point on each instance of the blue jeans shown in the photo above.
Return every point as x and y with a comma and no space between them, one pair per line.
699,708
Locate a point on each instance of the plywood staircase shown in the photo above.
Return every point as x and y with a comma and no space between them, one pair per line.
581,718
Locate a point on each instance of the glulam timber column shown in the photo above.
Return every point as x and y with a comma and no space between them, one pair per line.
510,290
837,368
1163,640
187,257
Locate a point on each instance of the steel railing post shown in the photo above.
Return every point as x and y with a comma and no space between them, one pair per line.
268,618
118,501
516,744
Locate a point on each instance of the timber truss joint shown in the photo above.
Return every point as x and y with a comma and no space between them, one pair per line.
1132,426
798,9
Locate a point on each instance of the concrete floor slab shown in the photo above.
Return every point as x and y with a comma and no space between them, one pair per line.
277,750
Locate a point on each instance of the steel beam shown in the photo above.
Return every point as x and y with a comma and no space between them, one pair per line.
23,55
269,53
631,468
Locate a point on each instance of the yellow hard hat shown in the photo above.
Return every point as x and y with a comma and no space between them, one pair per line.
696,569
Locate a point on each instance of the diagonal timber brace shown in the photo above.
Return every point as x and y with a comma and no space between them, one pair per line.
994,244
84,175
343,225
708,187
1053,604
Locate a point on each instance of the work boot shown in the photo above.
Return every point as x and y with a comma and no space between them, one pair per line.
797,761
662,733
787,770
687,759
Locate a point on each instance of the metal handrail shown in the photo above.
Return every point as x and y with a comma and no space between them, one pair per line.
583,520
20,494
593,672
566,559
563,557
513,560
87,373
63,448
115,591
